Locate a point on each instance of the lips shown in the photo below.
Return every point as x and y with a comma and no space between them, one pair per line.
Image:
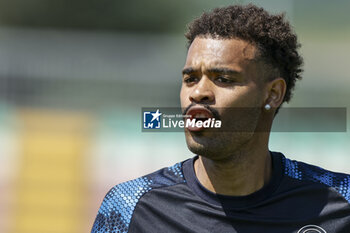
199,114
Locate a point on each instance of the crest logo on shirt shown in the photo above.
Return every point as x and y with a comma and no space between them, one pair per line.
312,229
151,120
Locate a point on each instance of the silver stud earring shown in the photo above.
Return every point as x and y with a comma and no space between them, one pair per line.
267,107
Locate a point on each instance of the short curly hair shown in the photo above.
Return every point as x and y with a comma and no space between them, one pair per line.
272,35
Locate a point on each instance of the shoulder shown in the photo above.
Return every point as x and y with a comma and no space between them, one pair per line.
126,194
119,203
340,182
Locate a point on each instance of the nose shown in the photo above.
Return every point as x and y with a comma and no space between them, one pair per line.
203,92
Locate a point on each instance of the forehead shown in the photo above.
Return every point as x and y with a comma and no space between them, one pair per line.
219,52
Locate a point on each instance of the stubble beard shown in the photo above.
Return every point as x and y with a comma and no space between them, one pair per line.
226,144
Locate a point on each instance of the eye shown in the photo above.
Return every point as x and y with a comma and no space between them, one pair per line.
190,79
221,79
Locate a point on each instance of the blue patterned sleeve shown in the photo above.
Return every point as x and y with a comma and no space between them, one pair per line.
338,181
115,213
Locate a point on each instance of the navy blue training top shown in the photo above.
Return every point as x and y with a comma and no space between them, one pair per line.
300,198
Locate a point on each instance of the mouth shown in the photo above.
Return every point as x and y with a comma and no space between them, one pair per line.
198,114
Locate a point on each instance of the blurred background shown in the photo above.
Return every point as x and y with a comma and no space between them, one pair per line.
75,74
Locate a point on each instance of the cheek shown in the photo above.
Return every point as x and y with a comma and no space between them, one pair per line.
184,97
240,96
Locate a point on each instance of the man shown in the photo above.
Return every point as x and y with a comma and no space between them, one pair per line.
240,58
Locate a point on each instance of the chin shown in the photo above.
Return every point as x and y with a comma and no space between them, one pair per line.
216,146
205,145
198,144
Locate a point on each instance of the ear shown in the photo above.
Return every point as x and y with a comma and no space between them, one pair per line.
275,91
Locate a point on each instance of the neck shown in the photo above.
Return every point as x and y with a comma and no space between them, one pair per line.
242,173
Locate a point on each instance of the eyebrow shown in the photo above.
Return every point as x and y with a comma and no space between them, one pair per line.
188,70
191,70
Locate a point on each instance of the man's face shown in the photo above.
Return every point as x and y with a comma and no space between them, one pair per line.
221,79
